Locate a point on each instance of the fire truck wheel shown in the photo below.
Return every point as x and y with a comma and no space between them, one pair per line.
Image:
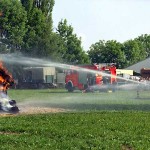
70,87
85,86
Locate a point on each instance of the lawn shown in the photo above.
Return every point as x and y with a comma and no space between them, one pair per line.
119,100
107,121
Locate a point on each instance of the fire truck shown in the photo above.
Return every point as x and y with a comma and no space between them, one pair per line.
90,77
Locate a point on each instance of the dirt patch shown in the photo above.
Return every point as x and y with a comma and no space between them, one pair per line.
34,110
6,114
9,133
40,110
126,147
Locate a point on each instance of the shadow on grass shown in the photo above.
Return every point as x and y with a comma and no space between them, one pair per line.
144,98
60,92
99,107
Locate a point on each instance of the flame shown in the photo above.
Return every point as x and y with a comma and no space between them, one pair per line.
6,79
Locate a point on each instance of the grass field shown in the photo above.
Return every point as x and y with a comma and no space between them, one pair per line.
107,121
119,100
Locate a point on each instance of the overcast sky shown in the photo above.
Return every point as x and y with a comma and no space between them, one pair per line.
96,20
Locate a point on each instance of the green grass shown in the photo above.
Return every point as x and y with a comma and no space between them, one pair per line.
105,121
94,130
120,100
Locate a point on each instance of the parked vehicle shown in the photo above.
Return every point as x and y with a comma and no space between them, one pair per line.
38,77
90,78
145,73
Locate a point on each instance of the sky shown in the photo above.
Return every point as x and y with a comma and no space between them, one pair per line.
95,20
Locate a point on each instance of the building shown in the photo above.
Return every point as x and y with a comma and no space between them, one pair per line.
138,66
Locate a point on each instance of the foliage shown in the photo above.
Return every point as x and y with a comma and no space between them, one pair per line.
107,52
133,50
27,26
36,28
39,27
73,51
145,41
46,7
123,55
13,23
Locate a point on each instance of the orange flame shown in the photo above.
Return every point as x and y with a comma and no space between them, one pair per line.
6,79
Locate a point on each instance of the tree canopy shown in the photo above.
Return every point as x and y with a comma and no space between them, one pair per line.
145,41
27,26
39,26
73,51
133,50
107,52
12,23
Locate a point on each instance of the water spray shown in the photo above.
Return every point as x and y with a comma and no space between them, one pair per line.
35,62
15,59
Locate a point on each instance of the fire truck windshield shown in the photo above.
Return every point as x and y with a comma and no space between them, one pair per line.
71,72
107,71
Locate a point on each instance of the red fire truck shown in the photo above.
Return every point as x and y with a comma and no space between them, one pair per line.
90,77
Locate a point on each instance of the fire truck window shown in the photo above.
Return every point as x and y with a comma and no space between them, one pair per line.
68,72
105,80
74,71
107,71
90,79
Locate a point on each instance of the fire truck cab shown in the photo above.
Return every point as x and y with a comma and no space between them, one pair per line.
89,77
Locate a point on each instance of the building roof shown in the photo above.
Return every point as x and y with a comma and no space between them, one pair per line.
138,66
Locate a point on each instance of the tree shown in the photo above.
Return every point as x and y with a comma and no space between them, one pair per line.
12,23
46,7
39,34
134,51
36,30
73,52
96,52
28,4
145,41
107,52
